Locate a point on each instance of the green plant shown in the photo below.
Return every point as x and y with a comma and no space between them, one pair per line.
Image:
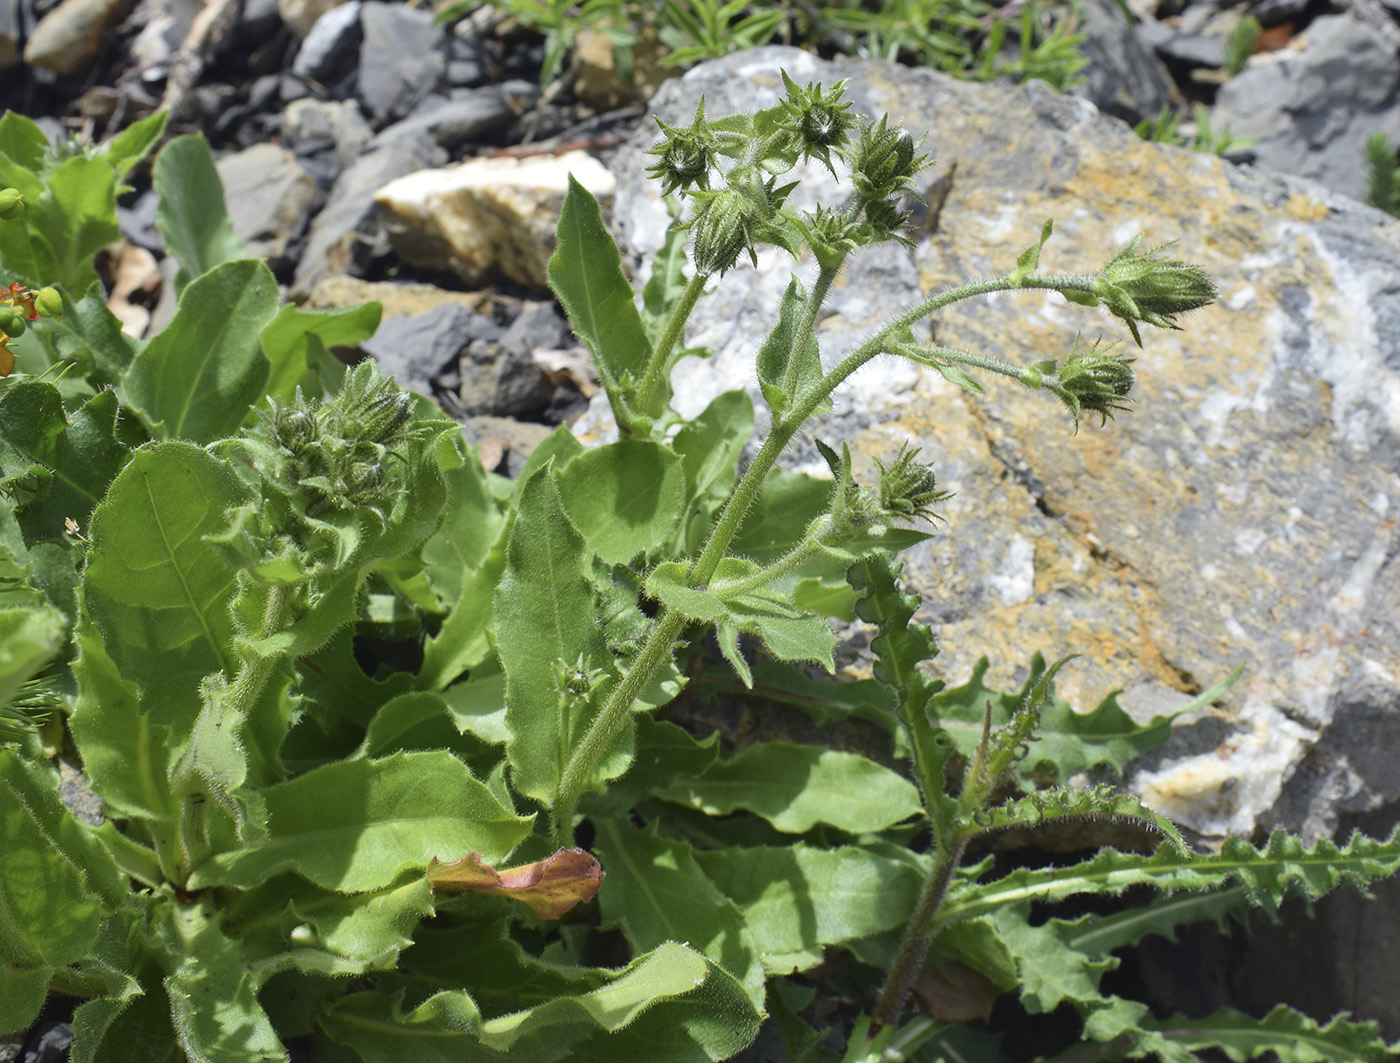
962,37
1382,174
1163,130
559,22
209,530
695,30
1239,46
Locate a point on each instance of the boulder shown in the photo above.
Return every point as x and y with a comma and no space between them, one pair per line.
1243,513
487,216
1311,107
66,40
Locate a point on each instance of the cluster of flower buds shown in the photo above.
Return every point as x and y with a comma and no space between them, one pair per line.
320,468
808,123
19,306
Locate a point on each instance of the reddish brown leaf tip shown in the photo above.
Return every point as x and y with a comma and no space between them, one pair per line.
550,886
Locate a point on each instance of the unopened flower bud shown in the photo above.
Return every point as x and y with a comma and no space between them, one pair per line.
1090,380
722,230
1145,287
11,203
883,162
12,322
687,155
48,302
907,488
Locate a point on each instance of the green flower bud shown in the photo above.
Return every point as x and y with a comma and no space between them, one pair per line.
12,322
907,488
48,302
687,155
832,236
1090,380
1145,287
11,203
818,118
884,161
723,224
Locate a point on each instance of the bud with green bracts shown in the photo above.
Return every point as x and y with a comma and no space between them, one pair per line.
11,203
1146,287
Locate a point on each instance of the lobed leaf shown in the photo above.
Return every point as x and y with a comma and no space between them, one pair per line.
1099,802
1066,742
1284,867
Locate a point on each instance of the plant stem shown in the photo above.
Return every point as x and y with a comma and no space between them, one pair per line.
601,733
918,936
675,328
660,640
667,627
807,326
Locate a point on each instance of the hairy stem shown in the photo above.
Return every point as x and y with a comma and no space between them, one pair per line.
667,627
917,936
660,640
675,328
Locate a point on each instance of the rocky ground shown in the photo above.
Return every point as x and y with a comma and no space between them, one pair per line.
334,127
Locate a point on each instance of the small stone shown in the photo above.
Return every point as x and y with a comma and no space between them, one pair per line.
466,118
300,15
9,33
269,198
416,349
67,39
330,48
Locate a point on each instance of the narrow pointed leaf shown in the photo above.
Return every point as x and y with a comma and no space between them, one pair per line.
546,628
191,214
586,274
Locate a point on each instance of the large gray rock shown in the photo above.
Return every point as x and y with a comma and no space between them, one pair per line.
1311,108
402,58
1245,512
